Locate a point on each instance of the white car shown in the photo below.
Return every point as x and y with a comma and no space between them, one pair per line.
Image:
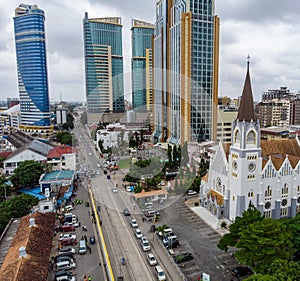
151,259
191,192
138,233
114,190
67,236
134,223
162,183
67,208
145,244
98,165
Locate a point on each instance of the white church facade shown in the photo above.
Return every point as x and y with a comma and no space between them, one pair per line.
250,171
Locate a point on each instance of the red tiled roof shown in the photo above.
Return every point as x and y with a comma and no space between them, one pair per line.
60,150
5,154
37,241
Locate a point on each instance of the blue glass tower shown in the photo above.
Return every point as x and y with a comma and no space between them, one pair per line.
142,33
32,68
103,66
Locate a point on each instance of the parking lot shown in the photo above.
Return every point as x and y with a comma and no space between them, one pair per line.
88,263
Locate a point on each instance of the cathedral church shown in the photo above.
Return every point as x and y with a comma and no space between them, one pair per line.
252,171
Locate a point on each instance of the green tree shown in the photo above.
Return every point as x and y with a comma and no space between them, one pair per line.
262,242
280,270
16,207
66,138
293,225
249,216
27,174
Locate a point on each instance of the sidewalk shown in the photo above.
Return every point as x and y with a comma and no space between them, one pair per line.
205,215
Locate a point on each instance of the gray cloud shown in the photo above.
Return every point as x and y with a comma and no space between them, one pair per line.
267,30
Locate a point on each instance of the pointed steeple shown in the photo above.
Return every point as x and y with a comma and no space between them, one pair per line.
246,109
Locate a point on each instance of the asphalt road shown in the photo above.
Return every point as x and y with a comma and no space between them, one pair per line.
194,234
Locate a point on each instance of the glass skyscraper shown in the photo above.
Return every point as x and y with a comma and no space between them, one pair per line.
186,57
32,68
103,66
141,65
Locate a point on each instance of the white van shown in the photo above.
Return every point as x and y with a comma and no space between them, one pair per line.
65,265
82,247
160,273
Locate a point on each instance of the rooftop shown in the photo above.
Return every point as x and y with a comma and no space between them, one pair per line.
37,241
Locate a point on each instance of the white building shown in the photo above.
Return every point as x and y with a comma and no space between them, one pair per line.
61,115
36,151
62,158
263,173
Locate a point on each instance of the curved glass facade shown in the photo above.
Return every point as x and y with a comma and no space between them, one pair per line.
32,66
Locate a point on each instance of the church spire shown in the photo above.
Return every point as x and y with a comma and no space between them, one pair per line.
246,109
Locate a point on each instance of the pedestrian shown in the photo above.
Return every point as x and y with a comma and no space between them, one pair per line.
85,238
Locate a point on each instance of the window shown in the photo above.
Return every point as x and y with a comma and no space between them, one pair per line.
284,191
251,138
267,214
237,136
251,193
268,193
284,212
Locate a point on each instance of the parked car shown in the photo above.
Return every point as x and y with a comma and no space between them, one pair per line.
138,233
67,227
67,242
171,242
64,258
151,259
168,238
64,275
64,250
67,208
126,212
69,255
67,236
183,257
241,271
134,223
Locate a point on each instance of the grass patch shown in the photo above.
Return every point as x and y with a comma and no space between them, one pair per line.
124,163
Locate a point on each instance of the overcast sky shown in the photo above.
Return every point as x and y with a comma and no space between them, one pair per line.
267,30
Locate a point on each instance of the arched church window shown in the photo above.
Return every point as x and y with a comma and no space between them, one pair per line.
237,136
251,138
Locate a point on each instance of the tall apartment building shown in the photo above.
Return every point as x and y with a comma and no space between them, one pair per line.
279,107
141,65
226,117
274,113
186,58
32,69
103,66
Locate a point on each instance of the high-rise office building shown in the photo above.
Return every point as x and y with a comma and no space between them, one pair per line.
103,66
32,69
186,59
141,65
